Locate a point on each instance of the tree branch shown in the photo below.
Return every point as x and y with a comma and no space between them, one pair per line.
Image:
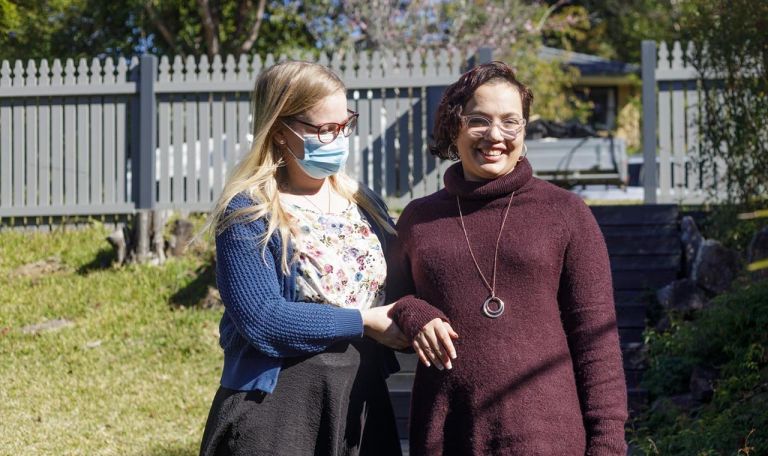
167,35
209,27
248,44
549,12
243,6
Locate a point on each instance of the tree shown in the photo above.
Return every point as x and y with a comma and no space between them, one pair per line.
613,29
732,54
87,28
28,29
513,28
226,26
418,25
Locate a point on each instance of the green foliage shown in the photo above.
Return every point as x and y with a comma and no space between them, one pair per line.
722,223
282,28
29,29
732,43
731,337
512,27
614,29
552,81
134,374
94,28
756,264
552,84
628,122
567,27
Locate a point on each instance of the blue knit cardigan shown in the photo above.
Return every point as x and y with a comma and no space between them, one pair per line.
262,322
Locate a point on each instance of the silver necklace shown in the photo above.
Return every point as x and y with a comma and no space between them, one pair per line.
287,187
318,207
489,310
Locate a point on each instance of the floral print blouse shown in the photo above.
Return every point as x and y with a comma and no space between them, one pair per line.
341,261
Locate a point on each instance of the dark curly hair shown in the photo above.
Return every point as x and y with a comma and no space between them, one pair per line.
448,116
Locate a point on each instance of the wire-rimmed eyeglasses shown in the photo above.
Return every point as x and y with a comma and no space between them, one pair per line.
478,126
327,132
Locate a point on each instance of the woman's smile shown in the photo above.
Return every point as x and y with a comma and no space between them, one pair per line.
492,153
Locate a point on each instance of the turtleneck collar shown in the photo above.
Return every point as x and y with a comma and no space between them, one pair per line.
456,184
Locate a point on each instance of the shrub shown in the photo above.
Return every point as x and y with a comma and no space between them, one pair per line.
730,336
731,53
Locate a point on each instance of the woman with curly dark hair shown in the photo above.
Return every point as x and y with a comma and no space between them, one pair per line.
505,291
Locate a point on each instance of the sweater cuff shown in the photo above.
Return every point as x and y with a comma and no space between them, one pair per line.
349,324
411,314
607,441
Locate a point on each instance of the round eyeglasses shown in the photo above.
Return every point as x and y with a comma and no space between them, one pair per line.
479,126
327,132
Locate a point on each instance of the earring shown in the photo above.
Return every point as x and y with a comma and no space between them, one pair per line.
452,152
525,152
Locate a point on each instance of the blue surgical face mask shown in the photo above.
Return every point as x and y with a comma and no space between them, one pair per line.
322,160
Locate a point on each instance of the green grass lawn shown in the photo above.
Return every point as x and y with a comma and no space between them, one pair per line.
133,373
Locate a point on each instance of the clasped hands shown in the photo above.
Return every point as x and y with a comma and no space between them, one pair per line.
379,326
433,344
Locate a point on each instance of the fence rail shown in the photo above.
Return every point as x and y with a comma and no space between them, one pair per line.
110,137
672,116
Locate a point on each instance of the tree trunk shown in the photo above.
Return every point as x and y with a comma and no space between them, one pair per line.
143,241
251,40
157,22
210,27
182,233
141,237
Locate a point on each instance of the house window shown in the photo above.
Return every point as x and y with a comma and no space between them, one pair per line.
604,110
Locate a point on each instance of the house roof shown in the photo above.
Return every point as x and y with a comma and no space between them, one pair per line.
589,65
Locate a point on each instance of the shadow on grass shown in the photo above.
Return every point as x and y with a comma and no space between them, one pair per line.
196,293
103,260
190,449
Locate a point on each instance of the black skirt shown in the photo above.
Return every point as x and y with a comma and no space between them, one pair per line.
333,403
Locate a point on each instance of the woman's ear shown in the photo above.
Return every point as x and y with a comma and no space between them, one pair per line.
278,138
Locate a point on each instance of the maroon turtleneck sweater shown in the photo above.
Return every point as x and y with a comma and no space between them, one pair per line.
544,378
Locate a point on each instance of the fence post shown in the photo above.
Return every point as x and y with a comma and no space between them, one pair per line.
484,55
144,172
144,161
481,56
650,169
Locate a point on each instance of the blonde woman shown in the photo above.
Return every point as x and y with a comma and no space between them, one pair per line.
301,270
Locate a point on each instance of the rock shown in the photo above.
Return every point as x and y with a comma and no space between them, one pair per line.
182,233
691,239
93,344
635,356
684,401
715,266
118,241
673,404
663,324
682,296
50,325
702,383
758,250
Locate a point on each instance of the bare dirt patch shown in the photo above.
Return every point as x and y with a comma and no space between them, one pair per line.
39,269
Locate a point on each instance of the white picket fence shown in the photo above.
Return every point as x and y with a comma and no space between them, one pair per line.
672,116
106,137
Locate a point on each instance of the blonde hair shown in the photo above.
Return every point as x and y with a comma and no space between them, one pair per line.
283,90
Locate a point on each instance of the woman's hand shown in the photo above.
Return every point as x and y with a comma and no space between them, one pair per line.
434,344
379,326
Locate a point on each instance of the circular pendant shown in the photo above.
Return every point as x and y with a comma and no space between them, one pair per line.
495,311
